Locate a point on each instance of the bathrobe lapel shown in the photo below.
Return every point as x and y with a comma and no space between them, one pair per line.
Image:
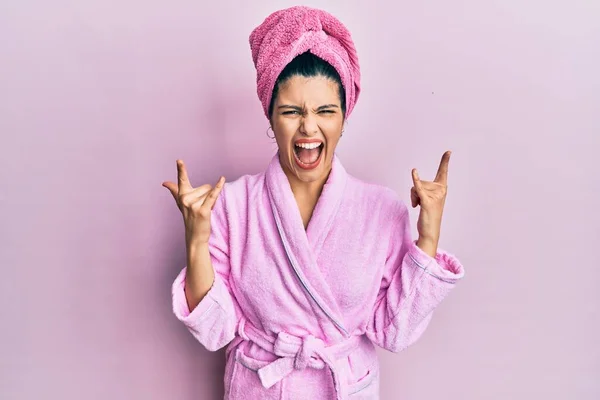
303,246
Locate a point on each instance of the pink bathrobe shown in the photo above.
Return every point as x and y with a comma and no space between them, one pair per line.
301,310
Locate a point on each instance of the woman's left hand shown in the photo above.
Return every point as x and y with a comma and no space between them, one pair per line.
431,196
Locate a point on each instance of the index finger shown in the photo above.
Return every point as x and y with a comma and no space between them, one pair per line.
183,182
442,173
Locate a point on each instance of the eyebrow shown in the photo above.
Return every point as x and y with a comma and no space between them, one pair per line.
300,108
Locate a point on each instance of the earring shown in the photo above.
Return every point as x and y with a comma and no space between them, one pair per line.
270,137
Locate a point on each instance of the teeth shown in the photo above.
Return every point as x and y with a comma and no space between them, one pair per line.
308,145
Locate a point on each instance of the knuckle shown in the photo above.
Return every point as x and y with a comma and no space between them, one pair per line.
196,207
185,200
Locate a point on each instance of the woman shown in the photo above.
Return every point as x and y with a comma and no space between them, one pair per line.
303,269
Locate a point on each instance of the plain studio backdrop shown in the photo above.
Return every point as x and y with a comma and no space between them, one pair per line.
99,98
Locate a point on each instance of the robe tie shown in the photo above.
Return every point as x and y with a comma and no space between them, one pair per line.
298,353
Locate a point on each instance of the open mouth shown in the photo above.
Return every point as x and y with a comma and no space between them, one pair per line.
308,153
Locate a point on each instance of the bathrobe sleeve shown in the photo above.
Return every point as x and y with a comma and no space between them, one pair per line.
214,320
413,284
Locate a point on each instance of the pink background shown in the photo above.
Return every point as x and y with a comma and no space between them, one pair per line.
99,98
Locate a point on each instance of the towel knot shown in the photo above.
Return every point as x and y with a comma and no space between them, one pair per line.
311,20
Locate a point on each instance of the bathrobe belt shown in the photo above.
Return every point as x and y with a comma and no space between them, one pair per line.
297,353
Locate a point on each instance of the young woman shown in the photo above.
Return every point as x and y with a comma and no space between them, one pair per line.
301,270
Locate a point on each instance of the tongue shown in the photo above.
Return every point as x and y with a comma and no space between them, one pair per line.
309,156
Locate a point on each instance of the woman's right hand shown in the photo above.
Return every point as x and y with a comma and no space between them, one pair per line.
195,204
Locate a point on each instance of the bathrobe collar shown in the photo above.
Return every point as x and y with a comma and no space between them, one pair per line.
304,246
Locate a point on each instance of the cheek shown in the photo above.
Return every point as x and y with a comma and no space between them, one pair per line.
333,141
284,132
333,126
333,134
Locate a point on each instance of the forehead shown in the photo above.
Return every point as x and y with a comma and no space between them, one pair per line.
301,89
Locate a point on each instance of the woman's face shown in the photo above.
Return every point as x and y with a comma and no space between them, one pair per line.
307,121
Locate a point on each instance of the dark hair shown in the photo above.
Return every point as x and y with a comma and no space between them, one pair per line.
309,65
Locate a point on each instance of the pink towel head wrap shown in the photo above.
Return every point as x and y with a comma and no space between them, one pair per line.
288,33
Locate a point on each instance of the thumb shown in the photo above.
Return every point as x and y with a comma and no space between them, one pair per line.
172,187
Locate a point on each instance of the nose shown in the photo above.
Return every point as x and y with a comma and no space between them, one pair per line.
308,125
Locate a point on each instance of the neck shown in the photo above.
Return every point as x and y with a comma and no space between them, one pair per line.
306,193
